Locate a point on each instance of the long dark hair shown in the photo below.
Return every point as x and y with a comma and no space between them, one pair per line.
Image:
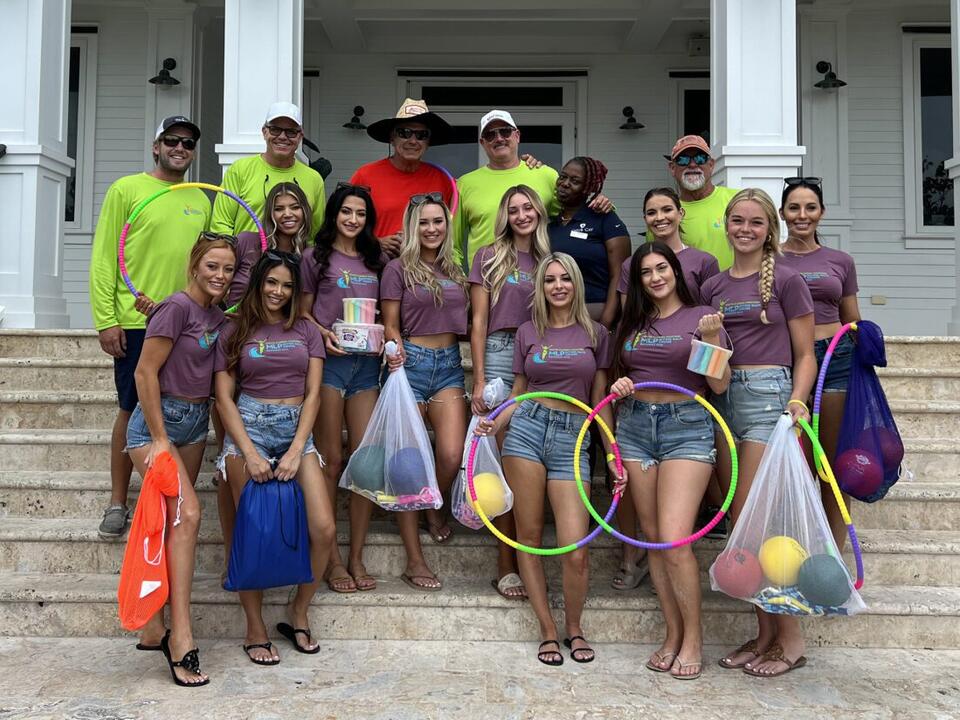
251,312
270,225
640,311
367,245
814,188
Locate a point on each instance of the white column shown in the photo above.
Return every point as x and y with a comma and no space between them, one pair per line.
953,164
262,63
33,174
753,90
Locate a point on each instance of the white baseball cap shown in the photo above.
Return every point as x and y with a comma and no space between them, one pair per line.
496,115
284,109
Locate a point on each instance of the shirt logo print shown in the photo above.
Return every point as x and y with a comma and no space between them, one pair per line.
348,279
262,348
519,276
207,340
642,339
548,353
733,309
191,210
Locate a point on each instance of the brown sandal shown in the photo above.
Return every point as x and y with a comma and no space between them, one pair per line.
749,646
775,653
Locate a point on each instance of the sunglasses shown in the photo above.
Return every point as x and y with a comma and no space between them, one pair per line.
491,135
791,181
421,198
699,158
275,131
351,187
171,141
288,259
208,236
405,133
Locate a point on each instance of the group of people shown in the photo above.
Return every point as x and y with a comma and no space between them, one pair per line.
535,269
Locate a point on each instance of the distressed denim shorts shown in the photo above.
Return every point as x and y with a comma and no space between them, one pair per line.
431,370
186,423
271,428
547,436
838,371
351,374
753,403
498,357
650,433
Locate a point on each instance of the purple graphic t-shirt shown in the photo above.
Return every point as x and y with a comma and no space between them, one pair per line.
660,352
346,277
188,371
419,312
739,300
273,361
697,266
563,360
248,252
512,308
831,276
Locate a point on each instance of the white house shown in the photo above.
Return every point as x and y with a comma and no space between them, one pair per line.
78,110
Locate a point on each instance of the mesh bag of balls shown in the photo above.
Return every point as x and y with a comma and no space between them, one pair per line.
781,555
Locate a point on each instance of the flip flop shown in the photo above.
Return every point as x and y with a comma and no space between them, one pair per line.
148,648
508,582
775,652
365,583
257,661
682,665
290,633
750,646
629,579
436,535
543,654
411,580
573,653
662,659
333,582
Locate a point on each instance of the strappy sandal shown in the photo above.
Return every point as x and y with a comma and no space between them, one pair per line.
750,646
542,654
661,660
573,652
290,633
775,653
190,661
268,646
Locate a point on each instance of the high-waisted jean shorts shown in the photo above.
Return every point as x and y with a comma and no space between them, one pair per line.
548,437
754,402
186,423
498,357
650,433
351,374
838,371
431,370
271,428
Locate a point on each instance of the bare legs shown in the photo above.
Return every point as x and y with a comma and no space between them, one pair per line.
831,416
121,466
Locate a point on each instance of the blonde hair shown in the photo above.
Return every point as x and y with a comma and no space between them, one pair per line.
503,259
541,311
771,245
415,270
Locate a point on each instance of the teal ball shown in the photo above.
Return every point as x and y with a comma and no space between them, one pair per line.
823,580
366,468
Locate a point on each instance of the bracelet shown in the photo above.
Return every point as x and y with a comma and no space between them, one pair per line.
801,403
611,457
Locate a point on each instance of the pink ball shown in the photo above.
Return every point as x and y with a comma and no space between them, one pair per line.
887,442
859,472
737,573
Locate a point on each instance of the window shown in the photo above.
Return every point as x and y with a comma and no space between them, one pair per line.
690,104
928,136
81,114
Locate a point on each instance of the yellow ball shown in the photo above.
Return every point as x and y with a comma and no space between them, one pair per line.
490,493
781,558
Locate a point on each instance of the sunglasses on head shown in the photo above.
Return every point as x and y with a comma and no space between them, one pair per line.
286,258
171,141
351,187
275,131
791,181
405,133
421,198
699,158
208,236
503,132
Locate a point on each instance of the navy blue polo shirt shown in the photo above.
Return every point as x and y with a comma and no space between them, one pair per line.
584,238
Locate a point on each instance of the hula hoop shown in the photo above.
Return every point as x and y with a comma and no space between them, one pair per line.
455,197
727,501
818,394
832,482
472,493
121,248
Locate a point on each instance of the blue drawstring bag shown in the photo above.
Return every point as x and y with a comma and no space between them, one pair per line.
271,544
870,450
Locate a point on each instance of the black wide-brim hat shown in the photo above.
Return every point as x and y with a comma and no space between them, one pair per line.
412,111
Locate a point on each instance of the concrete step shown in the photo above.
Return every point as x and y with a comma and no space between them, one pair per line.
76,604
912,505
63,344
911,383
39,373
923,351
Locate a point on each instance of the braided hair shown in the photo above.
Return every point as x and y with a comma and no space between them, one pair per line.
594,173
771,244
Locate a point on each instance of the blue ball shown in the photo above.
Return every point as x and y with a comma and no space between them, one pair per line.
823,581
406,472
366,468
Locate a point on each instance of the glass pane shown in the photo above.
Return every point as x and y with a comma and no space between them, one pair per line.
696,113
936,133
73,105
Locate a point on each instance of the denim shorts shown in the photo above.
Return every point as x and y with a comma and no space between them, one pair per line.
498,357
753,403
352,374
547,436
124,368
185,422
431,370
271,428
650,433
838,371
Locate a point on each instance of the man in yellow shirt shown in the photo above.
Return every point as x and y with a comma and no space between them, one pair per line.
252,178
157,250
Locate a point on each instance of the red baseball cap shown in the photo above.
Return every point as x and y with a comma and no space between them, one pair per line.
687,142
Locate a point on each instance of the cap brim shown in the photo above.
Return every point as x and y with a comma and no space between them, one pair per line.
440,130
189,125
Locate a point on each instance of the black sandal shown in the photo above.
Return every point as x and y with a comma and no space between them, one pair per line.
266,646
190,661
290,633
542,654
573,653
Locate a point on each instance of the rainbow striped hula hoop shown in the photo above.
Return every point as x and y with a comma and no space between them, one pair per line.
455,197
818,393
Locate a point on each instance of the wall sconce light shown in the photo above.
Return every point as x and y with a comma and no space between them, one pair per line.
830,80
631,122
164,77
3,150
355,123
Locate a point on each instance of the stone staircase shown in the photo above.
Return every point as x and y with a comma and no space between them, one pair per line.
58,578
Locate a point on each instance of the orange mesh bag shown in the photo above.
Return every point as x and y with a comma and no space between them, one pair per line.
143,578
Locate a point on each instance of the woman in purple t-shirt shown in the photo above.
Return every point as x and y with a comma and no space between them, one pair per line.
423,294
666,438
561,350
501,292
269,364
831,276
345,263
174,377
768,312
